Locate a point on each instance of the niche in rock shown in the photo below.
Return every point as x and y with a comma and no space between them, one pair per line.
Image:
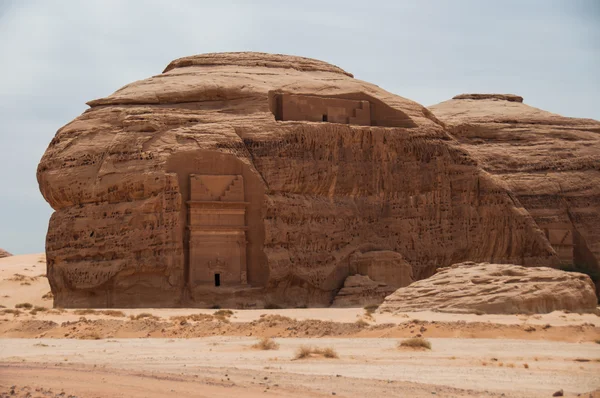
217,230
221,220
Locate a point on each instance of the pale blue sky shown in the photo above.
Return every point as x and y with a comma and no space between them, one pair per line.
56,55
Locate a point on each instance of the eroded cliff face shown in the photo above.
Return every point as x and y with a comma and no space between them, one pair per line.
250,179
551,163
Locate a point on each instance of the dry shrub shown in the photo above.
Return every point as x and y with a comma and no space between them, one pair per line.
415,342
18,278
47,296
274,319
362,323
2,306
91,336
37,309
303,352
306,352
526,366
200,317
370,309
10,311
113,313
327,352
182,319
87,311
272,306
266,343
143,315
597,341
223,313
24,305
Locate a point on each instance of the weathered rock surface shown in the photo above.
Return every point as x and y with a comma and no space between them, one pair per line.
495,289
550,164
4,253
244,179
382,266
505,97
360,291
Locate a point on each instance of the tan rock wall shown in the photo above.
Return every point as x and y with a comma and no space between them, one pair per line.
118,178
550,163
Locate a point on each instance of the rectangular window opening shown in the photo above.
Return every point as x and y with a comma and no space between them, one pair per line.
324,118
217,279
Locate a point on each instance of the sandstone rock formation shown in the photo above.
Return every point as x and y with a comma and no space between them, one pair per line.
495,289
549,163
243,179
360,291
4,253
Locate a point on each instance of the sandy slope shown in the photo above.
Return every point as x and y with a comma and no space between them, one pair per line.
22,280
486,355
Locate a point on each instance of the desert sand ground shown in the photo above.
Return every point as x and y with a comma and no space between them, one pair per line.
192,352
